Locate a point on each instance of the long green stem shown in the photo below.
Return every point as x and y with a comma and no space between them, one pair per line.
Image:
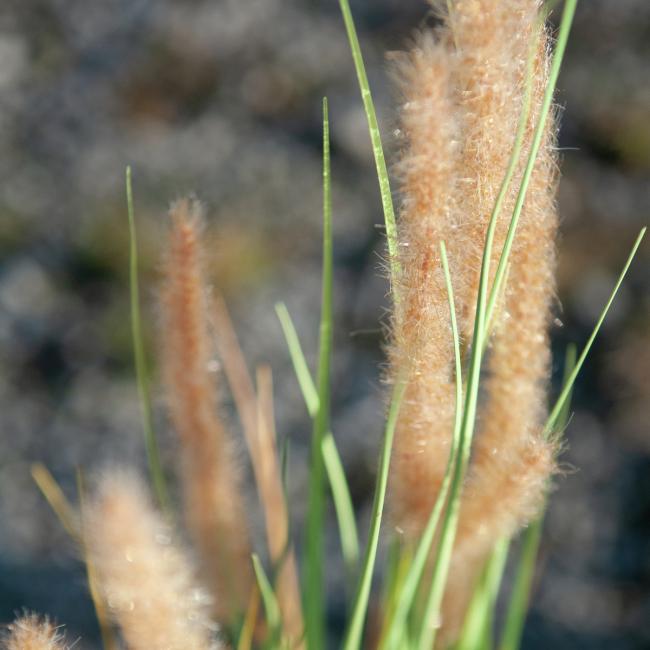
151,444
355,630
375,138
559,404
314,601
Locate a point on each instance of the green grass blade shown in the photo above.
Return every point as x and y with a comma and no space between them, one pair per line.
570,360
397,629
314,600
333,465
375,138
538,136
477,628
151,444
300,366
519,598
269,600
559,404
342,503
398,561
513,626
359,610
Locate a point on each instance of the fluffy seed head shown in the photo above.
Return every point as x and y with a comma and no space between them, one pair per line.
146,579
211,475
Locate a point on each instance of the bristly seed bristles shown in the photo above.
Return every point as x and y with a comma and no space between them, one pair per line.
211,475
31,632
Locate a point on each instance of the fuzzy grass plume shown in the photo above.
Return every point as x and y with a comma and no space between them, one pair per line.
210,471
146,579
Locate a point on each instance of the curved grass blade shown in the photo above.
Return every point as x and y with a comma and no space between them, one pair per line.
298,360
333,465
245,640
342,503
477,628
354,632
151,444
397,629
57,500
314,597
375,138
551,423
269,600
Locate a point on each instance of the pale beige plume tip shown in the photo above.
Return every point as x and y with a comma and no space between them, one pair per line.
147,581
211,473
31,632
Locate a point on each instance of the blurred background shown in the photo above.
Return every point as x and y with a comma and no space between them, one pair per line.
222,98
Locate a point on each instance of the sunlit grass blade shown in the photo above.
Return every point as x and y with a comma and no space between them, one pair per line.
477,628
151,444
333,465
513,626
342,503
72,522
396,631
53,493
307,386
271,607
245,640
375,138
314,597
360,607
397,566
551,422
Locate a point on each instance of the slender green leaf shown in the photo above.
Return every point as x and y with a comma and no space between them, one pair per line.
397,629
564,395
398,561
342,503
314,601
271,606
375,138
477,628
300,366
333,465
359,610
151,444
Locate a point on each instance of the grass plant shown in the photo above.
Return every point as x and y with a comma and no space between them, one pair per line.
447,312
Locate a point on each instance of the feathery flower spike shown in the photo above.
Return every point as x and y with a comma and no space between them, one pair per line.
147,581
421,338
211,474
